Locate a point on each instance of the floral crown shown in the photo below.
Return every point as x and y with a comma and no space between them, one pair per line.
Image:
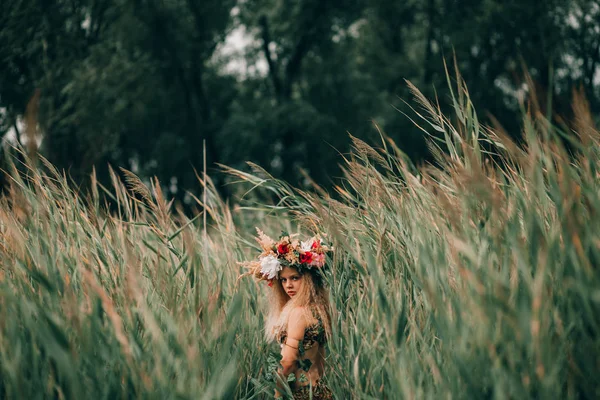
286,252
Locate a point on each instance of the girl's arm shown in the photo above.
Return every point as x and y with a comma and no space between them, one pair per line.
290,350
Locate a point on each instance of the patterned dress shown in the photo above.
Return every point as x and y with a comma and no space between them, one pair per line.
313,334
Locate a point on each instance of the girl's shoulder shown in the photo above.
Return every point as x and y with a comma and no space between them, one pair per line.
305,325
297,318
304,316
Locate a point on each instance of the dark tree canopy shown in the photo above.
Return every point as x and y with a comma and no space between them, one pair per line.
143,83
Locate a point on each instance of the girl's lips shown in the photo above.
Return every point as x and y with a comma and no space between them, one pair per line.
291,293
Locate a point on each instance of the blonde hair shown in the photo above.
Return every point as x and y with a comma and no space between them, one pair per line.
313,296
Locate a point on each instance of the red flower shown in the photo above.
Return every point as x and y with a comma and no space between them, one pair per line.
270,282
306,258
283,248
315,244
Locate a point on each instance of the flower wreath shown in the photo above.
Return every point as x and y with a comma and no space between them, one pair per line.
286,252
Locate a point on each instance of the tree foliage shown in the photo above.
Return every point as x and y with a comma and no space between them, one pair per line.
143,83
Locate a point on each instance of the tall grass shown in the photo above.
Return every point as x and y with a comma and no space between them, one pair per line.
125,304
475,277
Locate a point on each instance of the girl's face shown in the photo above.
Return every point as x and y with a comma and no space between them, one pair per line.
291,281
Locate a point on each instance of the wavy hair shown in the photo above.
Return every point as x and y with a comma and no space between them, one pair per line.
313,295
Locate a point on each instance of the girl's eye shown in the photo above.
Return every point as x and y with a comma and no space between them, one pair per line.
295,278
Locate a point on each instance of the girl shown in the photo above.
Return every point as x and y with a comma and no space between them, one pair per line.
299,315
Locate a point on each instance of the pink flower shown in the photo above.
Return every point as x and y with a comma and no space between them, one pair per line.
318,260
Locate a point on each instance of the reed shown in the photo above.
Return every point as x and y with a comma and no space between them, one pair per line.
474,277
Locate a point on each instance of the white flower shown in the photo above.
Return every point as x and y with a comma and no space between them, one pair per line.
306,246
270,266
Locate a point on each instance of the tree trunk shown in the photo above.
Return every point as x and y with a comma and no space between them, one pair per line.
273,70
427,69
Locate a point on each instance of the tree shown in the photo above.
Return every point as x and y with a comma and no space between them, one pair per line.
126,82
137,83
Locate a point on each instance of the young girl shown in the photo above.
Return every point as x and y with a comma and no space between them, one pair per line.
298,318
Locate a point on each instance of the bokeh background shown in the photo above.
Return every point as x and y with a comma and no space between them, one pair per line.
140,84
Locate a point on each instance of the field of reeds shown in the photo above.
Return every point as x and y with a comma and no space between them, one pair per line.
477,276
